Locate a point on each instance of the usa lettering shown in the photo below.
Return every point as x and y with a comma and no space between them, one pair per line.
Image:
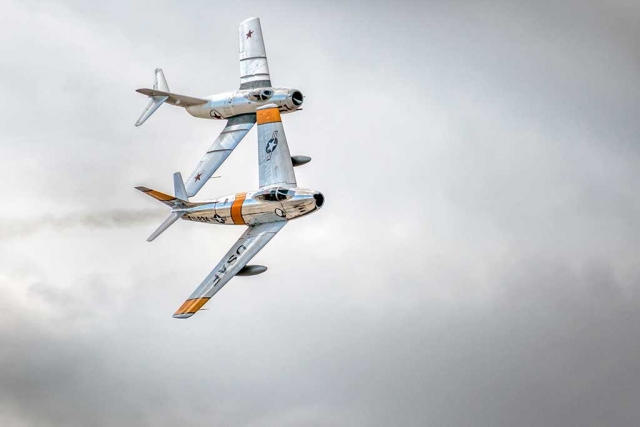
230,261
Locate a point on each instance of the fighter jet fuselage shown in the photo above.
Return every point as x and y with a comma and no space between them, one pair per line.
253,208
246,101
265,211
237,107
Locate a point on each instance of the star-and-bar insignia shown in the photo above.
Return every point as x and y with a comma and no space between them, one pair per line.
272,144
249,34
197,178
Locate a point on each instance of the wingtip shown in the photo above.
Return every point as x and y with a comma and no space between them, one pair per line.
143,189
182,316
249,19
190,307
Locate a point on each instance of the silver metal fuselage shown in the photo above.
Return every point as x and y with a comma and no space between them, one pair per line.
271,204
246,101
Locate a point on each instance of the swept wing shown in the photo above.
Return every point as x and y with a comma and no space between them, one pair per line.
274,158
236,129
247,246
254,69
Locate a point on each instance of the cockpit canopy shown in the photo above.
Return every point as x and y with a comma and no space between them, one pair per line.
260,95
274,194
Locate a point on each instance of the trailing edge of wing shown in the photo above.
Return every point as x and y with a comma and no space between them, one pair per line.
247,246
173,217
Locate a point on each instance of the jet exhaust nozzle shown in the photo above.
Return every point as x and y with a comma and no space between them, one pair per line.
294,100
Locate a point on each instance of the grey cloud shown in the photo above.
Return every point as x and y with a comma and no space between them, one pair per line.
476,262
552,351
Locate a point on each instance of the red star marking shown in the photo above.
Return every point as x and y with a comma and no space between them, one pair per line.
249,34
197,178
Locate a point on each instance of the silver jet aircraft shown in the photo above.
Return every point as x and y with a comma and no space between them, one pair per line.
265,211
237,107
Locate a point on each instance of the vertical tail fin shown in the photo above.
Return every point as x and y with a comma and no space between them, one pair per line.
178,187
161,82
156,101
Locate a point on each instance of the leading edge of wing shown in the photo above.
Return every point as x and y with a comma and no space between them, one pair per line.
248,245
236,129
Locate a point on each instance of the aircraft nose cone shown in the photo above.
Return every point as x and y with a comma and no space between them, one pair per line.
319,198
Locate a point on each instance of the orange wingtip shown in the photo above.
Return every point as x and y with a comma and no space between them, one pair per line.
190,306
268,115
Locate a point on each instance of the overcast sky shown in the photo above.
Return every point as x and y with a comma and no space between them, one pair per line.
477,261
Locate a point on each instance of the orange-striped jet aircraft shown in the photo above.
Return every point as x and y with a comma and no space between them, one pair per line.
265,211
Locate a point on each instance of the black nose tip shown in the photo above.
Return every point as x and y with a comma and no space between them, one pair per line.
319,199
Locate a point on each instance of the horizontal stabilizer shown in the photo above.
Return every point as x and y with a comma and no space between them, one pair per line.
166,224
176,203
171,201
173,98
154,103
160,83
159,196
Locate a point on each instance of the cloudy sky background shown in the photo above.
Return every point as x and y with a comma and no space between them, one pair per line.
476,262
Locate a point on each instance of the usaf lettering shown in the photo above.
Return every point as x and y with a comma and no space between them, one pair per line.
230,261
